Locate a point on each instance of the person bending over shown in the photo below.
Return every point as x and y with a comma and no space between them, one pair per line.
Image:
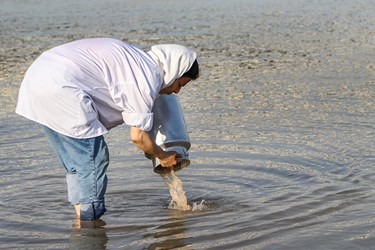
80,90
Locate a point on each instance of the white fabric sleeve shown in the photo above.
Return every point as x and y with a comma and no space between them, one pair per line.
136,104
135,82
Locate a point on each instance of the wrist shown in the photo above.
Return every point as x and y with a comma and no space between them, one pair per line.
160,153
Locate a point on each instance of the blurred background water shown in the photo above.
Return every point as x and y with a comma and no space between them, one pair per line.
281,123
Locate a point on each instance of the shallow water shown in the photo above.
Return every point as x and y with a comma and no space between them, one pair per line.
281,124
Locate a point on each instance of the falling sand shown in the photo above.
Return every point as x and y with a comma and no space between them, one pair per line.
179,200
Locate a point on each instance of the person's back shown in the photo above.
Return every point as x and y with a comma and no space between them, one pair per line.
88,85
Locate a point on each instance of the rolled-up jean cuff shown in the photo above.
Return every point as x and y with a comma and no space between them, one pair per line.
73,188
92,211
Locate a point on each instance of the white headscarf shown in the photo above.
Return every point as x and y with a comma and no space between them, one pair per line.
173,60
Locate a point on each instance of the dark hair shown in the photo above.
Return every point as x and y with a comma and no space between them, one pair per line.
193,72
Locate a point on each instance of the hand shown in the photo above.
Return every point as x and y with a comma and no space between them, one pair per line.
169,159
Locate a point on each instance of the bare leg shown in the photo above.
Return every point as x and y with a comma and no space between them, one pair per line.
77,207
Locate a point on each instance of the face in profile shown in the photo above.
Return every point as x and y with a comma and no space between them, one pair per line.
176,86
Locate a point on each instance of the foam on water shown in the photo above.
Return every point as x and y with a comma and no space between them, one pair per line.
198,206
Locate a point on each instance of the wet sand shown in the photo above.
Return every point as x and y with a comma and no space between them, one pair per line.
281,123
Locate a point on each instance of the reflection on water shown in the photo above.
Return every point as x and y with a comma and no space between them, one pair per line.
88,235
281,123
171,235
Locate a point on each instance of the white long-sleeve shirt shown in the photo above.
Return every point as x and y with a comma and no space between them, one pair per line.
84,88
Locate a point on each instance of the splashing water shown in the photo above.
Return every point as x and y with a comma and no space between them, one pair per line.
199,206
177,192
179,200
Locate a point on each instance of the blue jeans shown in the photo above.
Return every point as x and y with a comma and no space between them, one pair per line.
85,162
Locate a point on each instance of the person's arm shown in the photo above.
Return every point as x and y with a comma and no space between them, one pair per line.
143,141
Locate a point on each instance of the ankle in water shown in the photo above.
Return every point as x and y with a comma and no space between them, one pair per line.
92,211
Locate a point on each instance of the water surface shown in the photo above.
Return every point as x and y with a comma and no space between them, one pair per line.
281,124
